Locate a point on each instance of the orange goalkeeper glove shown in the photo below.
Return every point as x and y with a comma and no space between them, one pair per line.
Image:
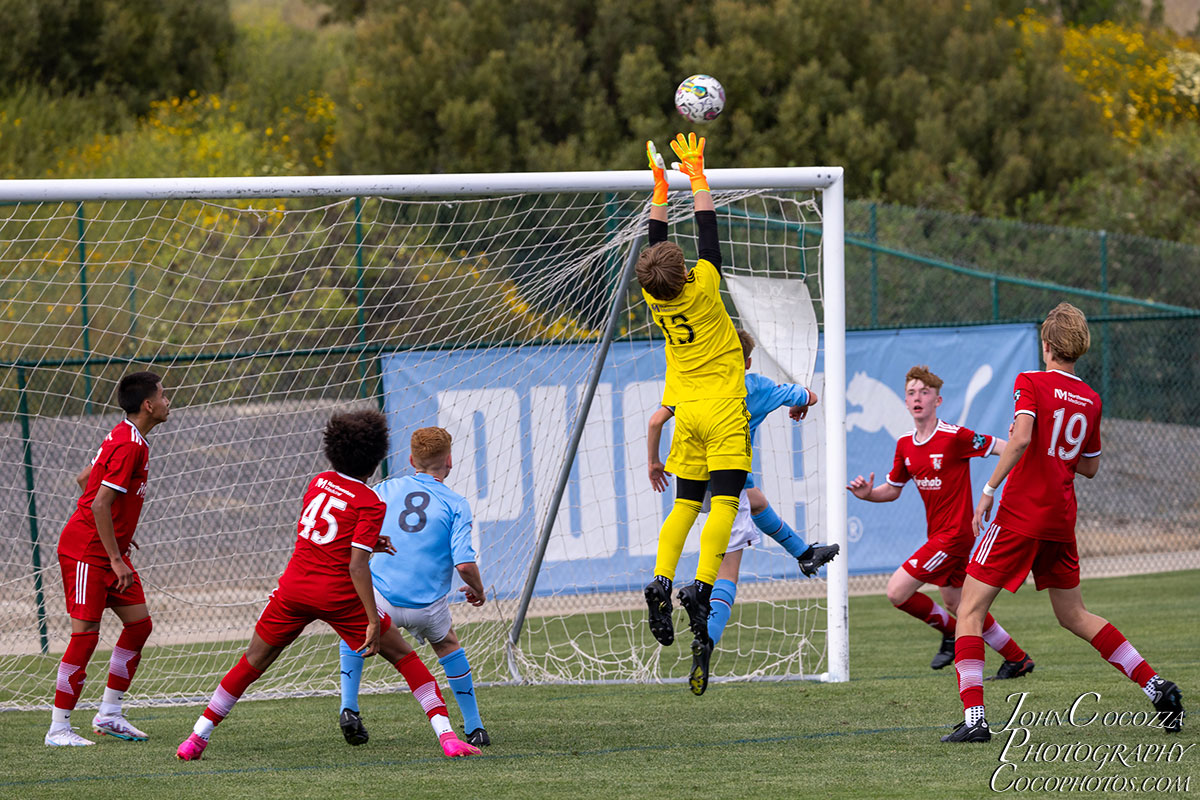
691,154
660,175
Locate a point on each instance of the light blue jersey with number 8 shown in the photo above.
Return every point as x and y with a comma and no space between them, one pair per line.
430,526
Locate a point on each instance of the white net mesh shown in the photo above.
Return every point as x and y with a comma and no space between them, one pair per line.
481,315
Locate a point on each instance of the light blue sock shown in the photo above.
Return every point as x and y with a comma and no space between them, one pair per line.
723,594
773,525
458,675
352,667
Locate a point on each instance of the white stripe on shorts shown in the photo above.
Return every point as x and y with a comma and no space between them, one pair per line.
985,547
935,561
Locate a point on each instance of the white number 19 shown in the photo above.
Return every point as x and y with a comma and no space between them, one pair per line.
308,519
1073,434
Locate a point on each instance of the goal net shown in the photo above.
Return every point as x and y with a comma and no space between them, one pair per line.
499,307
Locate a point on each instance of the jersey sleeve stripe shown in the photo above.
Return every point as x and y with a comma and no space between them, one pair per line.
991,447
114,487
362,546
1091,455
893,483
1025,411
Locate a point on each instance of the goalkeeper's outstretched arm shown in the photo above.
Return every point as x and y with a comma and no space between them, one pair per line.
691,163
658,202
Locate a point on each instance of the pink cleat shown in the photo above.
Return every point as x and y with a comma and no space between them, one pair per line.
191,749
452,746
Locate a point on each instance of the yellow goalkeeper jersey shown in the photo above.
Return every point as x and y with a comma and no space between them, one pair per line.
704,355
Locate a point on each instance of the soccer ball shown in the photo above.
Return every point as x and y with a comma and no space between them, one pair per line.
700,98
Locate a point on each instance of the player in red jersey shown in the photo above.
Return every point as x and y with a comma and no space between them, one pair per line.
935,456
93,553
329,578
1055,435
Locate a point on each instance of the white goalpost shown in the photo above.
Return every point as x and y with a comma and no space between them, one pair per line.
499,306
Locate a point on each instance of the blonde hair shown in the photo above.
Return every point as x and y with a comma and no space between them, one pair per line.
661,271
921,373
747,342
1066,331
428,446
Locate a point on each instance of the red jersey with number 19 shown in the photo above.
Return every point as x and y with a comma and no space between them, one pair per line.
1039,497
122,464
339,513
940,468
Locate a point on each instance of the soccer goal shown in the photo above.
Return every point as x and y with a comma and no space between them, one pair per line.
501,307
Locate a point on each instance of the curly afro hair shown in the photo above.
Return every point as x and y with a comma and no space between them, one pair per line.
356,441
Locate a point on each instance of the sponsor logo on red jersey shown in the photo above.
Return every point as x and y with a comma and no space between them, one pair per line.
940,469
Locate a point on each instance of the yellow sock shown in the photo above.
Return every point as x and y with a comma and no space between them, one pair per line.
714,538
673,534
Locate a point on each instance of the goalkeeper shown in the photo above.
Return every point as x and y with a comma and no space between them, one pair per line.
707,388
755,514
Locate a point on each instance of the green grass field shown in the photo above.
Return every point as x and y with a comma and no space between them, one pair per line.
876,736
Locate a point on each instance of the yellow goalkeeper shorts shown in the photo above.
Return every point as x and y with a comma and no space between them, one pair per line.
710,434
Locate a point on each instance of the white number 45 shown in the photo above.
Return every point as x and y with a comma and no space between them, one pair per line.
309,521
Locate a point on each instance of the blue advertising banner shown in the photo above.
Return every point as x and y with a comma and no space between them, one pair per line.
510,411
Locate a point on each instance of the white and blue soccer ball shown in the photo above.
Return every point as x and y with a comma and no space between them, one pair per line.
700,98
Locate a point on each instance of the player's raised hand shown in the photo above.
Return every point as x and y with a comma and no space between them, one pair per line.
384,545
658,476
473,597
983,512
371,642
800,412
861,487
659,168
690,151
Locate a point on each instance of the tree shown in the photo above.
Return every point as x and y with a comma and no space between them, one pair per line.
135,50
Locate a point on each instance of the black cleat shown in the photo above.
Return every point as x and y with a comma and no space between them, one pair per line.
698,610
658,599
944,657
1012,669
979,732
1168,700
701,655
479,738
817,556
353,728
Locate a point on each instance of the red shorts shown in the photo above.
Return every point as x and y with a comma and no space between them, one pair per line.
91,588
931,564
282,621
1003,558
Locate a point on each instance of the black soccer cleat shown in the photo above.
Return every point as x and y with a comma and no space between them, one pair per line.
698,610
1012,669
353,728
944,657
479,738
1168,701
816,557
979,732
658,599
701,656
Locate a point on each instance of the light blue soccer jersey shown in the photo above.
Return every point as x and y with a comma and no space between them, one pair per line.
763,396
430,526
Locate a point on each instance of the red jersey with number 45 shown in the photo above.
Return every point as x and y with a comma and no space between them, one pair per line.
339,513
1039,497
942,473
121,464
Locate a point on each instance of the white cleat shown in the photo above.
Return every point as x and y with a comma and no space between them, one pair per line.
119,727
66,737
